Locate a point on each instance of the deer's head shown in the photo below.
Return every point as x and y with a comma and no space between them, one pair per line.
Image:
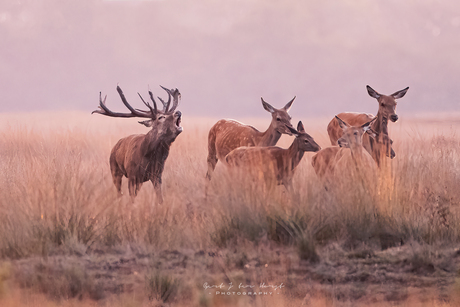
304,140
167,121
353,136
281,120
387,104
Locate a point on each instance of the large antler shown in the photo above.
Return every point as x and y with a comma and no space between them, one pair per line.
134,112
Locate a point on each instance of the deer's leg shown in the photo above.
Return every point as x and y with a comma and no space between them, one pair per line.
132,187
117,175
157,187
212,153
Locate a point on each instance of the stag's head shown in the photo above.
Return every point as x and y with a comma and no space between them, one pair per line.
281,121
165,122
387,104
305,141
352,137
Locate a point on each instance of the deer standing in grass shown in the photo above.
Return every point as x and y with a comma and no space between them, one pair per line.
228,134
272,161
141,157
336,162
379,146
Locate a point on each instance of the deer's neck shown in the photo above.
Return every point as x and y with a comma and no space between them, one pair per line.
270,137
154,145
294,154
380,125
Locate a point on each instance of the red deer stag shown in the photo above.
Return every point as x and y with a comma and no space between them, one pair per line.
141,157
381,145
274,162
228,134
336,162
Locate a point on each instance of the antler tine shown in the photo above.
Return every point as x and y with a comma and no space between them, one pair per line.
165,105
169,98
147,104
154,103
176,95
125,102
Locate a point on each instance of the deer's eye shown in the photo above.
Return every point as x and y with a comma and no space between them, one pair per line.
356,133
278,119
306,141
161,117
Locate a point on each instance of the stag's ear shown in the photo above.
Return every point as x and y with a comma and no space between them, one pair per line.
288,105
342,124
148,123
372,92
293,131
400,94
267,106
300,127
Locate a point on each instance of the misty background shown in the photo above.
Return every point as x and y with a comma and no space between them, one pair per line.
224,55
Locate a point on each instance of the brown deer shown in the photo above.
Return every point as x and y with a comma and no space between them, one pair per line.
272,161
141,157
338,161
381,145
228,134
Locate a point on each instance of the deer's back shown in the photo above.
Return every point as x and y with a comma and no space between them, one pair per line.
270,161
231,134
353,119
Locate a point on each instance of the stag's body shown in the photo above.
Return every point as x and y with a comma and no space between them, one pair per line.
380,146
141,157
275,163
227,135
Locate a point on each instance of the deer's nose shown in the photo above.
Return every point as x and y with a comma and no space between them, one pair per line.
394,117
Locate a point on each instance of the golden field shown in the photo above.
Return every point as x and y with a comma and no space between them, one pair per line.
67,240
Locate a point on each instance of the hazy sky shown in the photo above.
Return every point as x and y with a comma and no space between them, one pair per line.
223,55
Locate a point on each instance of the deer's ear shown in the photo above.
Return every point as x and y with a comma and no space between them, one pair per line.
147,123
267,106
300,127
288,105
372,92
342,124
400,94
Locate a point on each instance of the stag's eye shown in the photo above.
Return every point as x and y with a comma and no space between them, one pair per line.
161,117
278,119
306,141
356,133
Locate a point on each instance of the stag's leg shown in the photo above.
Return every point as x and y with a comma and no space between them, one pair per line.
117,175
132,187
157,187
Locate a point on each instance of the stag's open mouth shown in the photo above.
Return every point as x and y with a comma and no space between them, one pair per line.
178,121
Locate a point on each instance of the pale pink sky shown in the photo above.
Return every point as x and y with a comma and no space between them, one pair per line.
224,55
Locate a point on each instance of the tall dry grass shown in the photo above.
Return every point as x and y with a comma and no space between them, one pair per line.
57,194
